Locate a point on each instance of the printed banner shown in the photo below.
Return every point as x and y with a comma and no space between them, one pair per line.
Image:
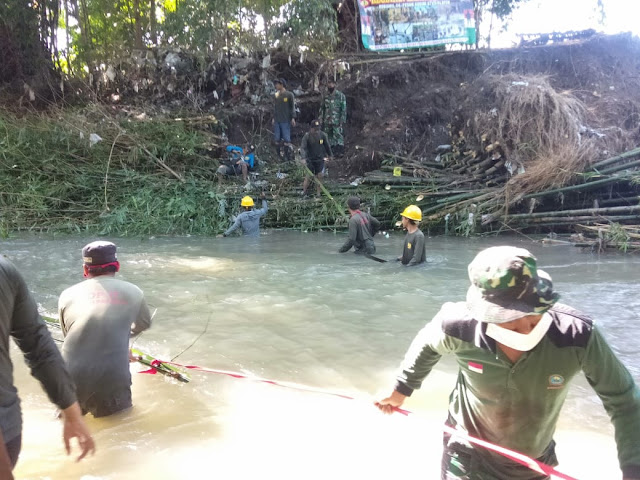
395,25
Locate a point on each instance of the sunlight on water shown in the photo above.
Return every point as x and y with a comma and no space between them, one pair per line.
289,308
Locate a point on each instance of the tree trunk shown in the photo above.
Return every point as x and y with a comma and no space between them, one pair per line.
477,13
137,27
153,22
68,36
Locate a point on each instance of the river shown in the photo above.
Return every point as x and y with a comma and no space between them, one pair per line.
288,307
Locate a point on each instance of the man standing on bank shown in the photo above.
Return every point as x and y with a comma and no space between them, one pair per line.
333,116
19,319
517,351
98,316
249,220
362,229
284,117
315,151
414,251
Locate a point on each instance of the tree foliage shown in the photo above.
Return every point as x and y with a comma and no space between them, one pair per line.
500,8
27,34
97,32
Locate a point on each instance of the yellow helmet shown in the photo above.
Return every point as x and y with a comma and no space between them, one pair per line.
247,202
412,212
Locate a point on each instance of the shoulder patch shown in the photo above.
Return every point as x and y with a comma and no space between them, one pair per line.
570,327
458,323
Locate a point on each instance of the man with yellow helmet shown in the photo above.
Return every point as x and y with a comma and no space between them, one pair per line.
414,251
249,220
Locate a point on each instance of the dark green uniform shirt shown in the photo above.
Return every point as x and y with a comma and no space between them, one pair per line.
362,228
414,251
315,145
285,109
517,405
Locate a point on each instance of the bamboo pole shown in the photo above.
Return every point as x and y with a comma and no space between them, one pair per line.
622,156
581,186
583,211
613,201
617,168
576,219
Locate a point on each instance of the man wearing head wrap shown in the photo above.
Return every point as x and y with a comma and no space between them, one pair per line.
362,228
517,351
98,316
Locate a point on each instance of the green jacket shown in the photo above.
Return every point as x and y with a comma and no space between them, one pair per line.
333,109
517,405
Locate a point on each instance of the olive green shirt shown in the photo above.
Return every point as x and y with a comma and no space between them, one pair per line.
315,146
414,250
517,405
285,109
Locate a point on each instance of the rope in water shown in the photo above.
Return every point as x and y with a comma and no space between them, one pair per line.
517,457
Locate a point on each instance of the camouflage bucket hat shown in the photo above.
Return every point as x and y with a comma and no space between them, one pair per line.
506,284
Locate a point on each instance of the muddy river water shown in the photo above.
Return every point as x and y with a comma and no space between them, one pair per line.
288,307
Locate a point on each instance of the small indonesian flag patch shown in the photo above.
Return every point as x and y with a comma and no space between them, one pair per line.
475,367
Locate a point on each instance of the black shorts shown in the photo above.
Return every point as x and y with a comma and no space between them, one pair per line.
316,166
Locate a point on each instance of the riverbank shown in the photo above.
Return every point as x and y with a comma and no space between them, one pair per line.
486,141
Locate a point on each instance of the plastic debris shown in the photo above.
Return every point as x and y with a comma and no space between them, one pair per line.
94,138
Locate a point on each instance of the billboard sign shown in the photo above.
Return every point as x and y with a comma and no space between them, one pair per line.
395,25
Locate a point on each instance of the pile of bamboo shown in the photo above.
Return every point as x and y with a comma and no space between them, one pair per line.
603,236
608,192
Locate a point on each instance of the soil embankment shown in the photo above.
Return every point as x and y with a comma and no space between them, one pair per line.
486,140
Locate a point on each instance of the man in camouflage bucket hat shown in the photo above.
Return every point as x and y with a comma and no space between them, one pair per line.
517,350
506,283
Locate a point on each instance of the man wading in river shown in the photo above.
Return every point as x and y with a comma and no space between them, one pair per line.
249,220
362,228
517,351
98,316
414,251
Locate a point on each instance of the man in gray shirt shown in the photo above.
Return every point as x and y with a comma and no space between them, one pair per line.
98,316
249,220
362,229
19,319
